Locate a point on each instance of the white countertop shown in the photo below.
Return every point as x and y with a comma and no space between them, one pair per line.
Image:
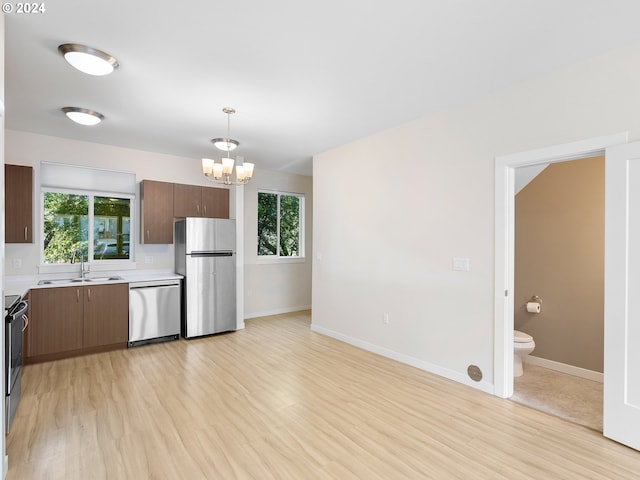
21,284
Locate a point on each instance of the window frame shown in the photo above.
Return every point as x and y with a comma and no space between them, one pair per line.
96,265
301,257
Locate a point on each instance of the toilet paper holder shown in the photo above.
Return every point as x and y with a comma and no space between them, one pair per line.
534,304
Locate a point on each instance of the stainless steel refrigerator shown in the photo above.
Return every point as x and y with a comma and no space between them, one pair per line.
205,256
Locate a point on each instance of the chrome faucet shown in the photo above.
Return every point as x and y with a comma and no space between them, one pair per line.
73,260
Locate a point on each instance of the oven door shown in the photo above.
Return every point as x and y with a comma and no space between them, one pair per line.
16,323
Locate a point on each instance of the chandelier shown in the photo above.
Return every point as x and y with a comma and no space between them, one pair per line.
221,172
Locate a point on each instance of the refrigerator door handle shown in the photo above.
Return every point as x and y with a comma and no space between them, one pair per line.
226,253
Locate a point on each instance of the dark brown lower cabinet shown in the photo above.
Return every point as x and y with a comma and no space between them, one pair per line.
70,321
56,321
106,315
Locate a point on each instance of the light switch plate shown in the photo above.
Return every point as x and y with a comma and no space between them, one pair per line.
461,264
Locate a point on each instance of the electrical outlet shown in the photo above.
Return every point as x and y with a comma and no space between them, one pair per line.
148,259
17,263
385,318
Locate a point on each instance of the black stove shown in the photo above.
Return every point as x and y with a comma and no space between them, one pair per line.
10,301
15,322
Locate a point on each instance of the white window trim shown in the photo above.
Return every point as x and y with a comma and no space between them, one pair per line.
301,258
93,265
266,259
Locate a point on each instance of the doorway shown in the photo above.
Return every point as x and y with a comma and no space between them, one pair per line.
559,259
504,240
621,412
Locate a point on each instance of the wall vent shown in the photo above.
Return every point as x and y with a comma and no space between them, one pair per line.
474,373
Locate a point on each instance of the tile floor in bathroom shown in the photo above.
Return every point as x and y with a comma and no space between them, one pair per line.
573,398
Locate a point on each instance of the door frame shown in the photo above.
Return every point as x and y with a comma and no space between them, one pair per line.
504,257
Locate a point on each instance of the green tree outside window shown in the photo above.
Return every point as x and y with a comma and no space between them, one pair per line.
65,226
279,224
66,218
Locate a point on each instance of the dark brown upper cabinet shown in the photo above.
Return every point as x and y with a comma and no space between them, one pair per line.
156,205
215,202
187,200
18,191
195,201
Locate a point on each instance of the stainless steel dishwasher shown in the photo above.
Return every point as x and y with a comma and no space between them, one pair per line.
154,311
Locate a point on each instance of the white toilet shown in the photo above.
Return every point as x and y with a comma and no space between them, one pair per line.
523,345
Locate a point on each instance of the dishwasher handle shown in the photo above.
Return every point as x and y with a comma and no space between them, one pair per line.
154,283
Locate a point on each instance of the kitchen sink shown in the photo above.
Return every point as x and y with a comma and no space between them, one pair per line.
100,279
57,280
54,281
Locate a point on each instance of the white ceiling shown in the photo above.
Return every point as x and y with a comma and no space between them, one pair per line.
303,76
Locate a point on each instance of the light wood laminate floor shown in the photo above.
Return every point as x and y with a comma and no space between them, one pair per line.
277,401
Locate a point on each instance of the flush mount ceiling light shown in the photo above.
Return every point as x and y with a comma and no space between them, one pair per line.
221,172
87,59
83,116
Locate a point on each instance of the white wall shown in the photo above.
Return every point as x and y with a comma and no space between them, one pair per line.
384,240
285,285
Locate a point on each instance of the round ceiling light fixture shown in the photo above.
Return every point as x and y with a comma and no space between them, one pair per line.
87,59
83,116
226,144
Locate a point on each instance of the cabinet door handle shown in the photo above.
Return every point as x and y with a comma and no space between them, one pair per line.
89,293
25,232
147,234
198,208
77,295
205,208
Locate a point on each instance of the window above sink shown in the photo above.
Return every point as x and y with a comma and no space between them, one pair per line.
98,226
88,211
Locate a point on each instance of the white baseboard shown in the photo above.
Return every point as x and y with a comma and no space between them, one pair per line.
564,368
276,311
414,362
